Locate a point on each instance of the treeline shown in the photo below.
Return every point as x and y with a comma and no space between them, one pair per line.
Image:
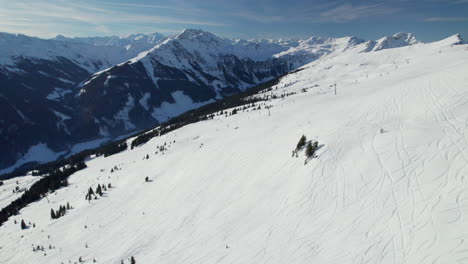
55,214
43,169
55,180
206,112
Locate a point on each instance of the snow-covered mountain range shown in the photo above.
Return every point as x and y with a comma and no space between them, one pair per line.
62,95
386,185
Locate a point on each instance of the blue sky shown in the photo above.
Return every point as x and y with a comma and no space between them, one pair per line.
429,20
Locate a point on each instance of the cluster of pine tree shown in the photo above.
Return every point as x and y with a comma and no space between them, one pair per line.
115,168
60,212
162,148
55,180
114,149
38,248
310,146
100,189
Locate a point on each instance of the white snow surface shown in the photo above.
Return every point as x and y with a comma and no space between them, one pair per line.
6,190
182,104
228,191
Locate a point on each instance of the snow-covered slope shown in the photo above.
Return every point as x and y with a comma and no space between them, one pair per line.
12,189
388,184
79,90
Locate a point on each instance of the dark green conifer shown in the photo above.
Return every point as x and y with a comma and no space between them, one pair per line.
301,143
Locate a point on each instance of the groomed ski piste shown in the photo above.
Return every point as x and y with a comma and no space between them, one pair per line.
389,183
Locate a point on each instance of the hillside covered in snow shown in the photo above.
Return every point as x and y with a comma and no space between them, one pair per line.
62,95
387,183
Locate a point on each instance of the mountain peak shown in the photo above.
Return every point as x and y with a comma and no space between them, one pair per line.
407,37
190,33
400,39
455,39
60,37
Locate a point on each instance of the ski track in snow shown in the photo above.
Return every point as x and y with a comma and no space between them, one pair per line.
228,191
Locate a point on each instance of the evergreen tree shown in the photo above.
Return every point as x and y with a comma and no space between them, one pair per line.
23,224
146,179
99,190
89,194
301,143
68,206
64,210
311,148
132,260
52,214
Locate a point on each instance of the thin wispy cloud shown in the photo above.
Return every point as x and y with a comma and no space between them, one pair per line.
437,19
261,18
175,7
74,14
348,12
335,12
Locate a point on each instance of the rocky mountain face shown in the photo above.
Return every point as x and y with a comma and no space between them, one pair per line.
61,92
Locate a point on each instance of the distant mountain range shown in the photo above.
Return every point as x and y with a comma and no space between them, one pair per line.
59,96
